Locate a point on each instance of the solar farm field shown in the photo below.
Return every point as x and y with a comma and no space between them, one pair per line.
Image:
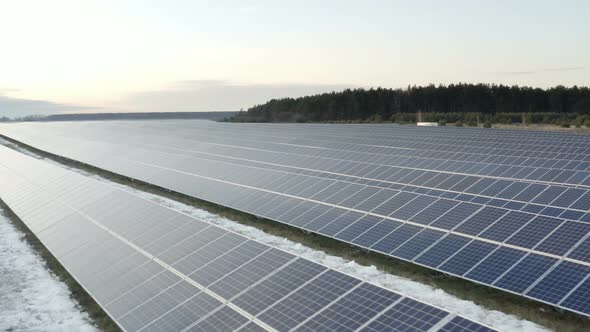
154,269
506,209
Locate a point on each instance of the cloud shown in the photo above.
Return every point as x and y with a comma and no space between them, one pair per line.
16,107
8,90
518,72
217,95
564,69
536,71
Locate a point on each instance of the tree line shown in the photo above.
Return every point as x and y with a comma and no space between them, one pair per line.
445,103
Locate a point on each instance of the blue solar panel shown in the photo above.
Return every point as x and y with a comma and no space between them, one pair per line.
524,273
393,203
418,243
243,277
441,251
297,211
480,220
376,233
534,232
335,226
572,215
533,208
559,282
583,202
480,185
454,216
549,195
564,238
530,192
277,286
376,200
434,211
459,324
467,257
492,267
308,300
413,207
185,314
570,196
359,227
224,319
213,271
407,315
309,215
506,226
582,251
324,219
396,238
579,299
351,311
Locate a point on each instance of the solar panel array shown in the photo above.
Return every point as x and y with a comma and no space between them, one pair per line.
155,269
508,209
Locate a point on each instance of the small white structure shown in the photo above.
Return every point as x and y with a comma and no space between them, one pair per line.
428,124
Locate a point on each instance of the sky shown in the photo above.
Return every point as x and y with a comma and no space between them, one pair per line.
190,55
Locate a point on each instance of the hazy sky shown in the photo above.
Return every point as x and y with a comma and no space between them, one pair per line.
177,55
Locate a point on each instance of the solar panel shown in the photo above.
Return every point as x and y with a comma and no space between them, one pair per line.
431,188
155,269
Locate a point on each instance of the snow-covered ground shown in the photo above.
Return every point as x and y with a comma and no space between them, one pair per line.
417,290
31,298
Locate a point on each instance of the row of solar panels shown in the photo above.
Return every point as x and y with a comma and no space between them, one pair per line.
499,239
564,172
567,171
465,158
421,142
551,201
417,145
154,269
521,164
543,199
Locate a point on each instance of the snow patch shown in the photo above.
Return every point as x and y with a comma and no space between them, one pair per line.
31,298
